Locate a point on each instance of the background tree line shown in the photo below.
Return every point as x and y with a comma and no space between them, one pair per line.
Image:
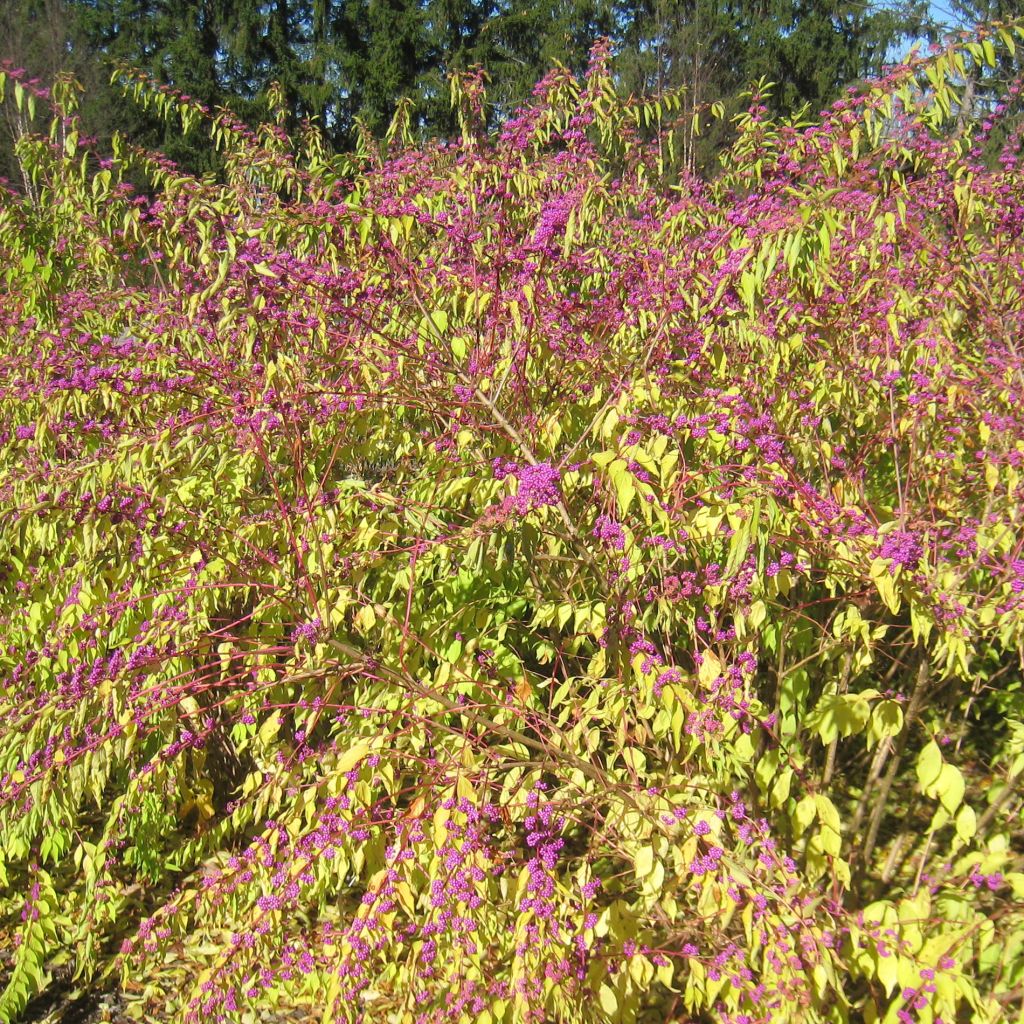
342,60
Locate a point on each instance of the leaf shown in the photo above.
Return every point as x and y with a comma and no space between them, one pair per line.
831,829
710,668
352,757
606,997
653,882
838,715
643,862
929,765
949,788
738,546
780,790
570,233
886,720
757,614
888,971
966,823
523,691
803,815
622,481
641,970
887,590
270,728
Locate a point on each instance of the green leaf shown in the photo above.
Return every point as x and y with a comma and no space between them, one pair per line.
643,862
738,546
757,614
270,728
949,788
831,829
888,971
887,591
622,481
352,757
710,669
803,814
886,720
838,715
780,790
607,998
966,823
929,765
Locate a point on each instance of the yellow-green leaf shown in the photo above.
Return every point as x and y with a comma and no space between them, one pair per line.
929,765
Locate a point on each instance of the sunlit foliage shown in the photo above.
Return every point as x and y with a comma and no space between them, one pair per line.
504,581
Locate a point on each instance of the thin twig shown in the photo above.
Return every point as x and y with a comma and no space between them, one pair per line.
878,814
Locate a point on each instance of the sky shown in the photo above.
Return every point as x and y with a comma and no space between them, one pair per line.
942,12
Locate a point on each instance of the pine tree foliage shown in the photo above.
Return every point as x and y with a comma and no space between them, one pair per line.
344,63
